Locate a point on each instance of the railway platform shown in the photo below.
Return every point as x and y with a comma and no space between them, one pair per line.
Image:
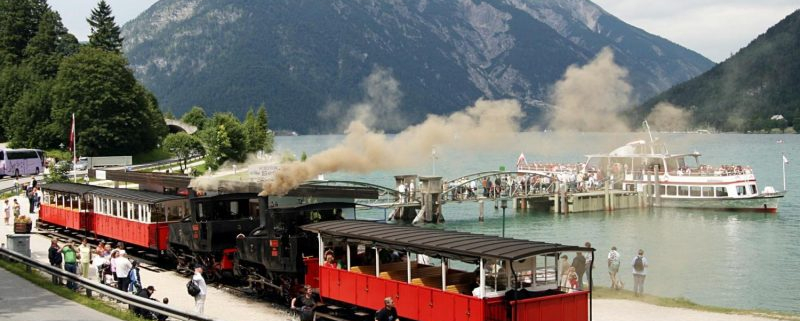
222,303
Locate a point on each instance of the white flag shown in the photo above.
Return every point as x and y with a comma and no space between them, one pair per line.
785,160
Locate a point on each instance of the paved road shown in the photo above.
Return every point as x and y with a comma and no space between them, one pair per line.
22,300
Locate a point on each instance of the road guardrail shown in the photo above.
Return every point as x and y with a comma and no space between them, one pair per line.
92,286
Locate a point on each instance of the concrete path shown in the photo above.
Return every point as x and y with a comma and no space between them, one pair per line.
22,300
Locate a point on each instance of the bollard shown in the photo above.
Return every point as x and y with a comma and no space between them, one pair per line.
480,211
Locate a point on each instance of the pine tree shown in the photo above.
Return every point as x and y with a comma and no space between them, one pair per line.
19,21
51,43
105,32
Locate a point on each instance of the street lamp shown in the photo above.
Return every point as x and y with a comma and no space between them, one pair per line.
504,205
433,155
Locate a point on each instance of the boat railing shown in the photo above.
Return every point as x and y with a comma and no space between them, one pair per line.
701,171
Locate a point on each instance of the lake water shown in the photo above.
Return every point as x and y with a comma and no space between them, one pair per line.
731,259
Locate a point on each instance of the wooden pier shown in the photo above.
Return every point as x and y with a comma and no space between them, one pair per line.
565,203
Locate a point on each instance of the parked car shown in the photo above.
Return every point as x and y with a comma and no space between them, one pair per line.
64,165
82,164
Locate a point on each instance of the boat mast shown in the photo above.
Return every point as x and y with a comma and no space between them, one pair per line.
652,142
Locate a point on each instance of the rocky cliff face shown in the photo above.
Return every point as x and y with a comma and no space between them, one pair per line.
299,56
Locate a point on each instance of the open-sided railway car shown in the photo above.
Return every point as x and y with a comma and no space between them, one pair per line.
66,205
456,276
136,217
208,236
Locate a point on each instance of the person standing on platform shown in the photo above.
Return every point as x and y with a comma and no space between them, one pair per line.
579,263
70,262
388,313
589,257
564,270
85,254
54,255
613,267
124,267
639,272
16,209
200,298
6,212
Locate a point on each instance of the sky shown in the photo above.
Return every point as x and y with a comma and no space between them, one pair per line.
714,28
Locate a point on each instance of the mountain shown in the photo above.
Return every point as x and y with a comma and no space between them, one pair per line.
300,57
742,93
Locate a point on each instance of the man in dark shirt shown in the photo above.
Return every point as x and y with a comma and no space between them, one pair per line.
579,263
388,313
54,255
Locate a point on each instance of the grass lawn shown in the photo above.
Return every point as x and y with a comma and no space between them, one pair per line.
151,156
44,282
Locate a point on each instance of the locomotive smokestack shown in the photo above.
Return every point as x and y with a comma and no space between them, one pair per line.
263,204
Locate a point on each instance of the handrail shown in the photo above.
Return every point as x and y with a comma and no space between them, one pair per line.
122,296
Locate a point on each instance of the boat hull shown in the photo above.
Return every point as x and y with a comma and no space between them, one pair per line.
757,204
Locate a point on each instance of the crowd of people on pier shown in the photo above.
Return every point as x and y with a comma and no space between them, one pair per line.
516,185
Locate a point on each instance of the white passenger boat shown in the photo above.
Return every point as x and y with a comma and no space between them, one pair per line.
680,180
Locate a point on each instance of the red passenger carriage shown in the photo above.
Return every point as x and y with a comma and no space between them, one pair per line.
66,205
136,217
455,276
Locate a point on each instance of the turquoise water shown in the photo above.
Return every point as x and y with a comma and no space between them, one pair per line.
731,259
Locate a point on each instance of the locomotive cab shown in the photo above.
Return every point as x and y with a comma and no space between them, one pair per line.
208,236
278,246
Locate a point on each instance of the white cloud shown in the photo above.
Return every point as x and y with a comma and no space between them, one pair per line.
714,28
74,13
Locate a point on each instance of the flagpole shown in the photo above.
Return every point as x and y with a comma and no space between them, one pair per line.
74,152
783,164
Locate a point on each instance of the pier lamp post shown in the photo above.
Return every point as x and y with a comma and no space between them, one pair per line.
503,205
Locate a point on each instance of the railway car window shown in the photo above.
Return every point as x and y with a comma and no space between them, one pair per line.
721,191
234,209
124,212
200,212
115,208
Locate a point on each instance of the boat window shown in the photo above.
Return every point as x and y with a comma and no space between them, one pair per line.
662,190
753,189
708,192
683,190
695,191
630,187
740,190
721,191
672,190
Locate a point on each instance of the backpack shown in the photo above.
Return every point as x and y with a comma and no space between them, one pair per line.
192,288
638,265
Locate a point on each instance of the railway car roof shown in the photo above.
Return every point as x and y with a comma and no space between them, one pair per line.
438,242
72,188
134,195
